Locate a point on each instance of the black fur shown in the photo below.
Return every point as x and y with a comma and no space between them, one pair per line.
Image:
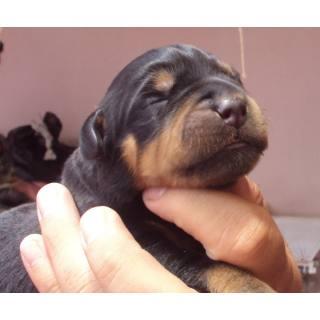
97,174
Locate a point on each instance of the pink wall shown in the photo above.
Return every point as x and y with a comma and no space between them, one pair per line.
68,70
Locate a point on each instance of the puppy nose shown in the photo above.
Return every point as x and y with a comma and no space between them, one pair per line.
233,111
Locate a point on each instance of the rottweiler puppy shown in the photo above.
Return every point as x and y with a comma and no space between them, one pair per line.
174,117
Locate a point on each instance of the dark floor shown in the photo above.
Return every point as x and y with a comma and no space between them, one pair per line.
312,281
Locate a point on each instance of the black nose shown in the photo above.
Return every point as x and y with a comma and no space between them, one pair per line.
232,110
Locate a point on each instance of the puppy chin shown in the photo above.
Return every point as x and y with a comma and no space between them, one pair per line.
223,167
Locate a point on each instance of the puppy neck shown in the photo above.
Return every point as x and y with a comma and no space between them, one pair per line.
99,183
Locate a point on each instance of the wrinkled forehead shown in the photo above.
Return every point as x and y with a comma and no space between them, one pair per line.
185,62
172,64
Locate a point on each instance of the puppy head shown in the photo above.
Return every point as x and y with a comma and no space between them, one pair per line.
177,117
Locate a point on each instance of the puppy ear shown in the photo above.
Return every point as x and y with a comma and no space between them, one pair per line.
53,124
92,135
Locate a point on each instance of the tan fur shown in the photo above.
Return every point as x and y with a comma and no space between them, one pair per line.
255,124
101,121
156,164
163,81
130,152
226,278
226,67
256,116
162,155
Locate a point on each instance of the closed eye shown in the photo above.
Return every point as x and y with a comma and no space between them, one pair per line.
155,99
207,96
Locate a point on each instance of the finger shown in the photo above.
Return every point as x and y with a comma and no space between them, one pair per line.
59,221
117,260
230,228
209,216
248,190
37,264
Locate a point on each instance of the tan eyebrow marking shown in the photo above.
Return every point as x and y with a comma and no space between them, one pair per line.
227,68
163,80
130,152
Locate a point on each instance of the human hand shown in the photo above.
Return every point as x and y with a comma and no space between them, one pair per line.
109,259
94,253
234,226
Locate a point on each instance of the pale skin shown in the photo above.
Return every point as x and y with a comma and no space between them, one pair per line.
96,253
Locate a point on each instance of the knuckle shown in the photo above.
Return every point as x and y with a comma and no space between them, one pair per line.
81,280
52,288
252,238
113,271
84,283
109,271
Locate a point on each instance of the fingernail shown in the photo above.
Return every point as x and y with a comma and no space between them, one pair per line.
31,251
47,197
154,193
52,199
93,225
210,255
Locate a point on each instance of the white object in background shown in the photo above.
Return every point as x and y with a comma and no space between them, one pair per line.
308,267
303,237
44,131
